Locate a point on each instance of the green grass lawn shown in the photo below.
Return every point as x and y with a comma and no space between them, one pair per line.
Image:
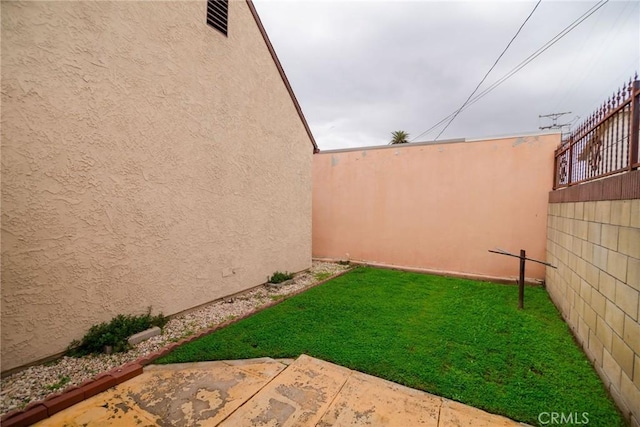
461,339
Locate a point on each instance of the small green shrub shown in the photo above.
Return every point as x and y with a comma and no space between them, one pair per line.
279,277
320,276
62,381
114,334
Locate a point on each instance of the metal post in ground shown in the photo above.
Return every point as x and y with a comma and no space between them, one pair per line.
523,257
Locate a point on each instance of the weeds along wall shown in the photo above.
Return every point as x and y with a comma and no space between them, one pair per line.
594,240
437,206
147,160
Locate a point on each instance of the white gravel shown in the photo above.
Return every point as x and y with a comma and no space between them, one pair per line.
36,382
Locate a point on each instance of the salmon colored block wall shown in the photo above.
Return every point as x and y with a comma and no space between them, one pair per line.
436,206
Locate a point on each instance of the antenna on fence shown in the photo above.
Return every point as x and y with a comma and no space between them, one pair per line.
554,122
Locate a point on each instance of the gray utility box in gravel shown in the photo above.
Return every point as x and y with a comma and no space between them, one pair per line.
279,285
144,335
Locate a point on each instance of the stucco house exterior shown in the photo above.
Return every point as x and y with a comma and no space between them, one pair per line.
153,154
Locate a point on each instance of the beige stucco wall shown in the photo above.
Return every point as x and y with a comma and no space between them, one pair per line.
436,206
596,247
147,160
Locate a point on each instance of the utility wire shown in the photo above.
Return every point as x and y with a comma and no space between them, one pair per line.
604,41
490,69
522,64
628,71
531,57
546,46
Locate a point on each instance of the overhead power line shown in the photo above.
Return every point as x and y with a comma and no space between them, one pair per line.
585,72
490,69
522,64
596,100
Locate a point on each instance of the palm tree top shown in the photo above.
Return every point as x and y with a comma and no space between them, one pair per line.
399,137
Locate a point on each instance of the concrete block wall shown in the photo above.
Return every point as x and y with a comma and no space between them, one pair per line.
596,246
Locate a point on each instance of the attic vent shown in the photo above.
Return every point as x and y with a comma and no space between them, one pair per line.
217,13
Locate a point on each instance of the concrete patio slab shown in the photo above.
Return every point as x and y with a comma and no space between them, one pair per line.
460,415
367,400
185,394
267,392
299,397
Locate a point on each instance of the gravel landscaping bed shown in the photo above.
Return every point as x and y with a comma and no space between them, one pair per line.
36,382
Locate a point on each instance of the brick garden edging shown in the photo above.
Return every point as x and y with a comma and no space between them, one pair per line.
54,403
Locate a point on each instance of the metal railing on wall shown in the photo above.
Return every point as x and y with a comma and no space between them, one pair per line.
605,144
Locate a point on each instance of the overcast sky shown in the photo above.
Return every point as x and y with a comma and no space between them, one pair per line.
362,69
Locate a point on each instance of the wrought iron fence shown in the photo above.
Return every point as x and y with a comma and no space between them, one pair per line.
606,143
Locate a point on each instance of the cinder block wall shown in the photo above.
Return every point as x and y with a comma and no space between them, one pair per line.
596,246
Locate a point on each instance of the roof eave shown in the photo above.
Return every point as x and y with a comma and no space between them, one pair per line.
254,12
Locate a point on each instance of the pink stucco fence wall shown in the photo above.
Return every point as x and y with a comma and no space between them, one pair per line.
436,207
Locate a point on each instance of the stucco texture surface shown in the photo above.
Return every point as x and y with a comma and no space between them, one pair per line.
437,207
147,160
